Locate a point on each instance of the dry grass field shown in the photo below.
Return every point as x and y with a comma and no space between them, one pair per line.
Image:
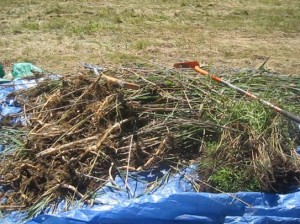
57,35
83,130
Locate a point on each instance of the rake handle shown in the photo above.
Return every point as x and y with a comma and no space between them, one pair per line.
290,115
218,79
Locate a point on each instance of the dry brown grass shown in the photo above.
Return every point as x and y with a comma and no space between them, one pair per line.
57,35
84,130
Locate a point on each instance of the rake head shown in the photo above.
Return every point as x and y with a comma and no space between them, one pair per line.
187,64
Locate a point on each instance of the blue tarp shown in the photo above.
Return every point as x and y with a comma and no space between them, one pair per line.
189,208
175,203
8,105
172,200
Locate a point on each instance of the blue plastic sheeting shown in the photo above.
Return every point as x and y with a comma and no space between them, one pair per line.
188,207
298,150
172,200
8,105
175,201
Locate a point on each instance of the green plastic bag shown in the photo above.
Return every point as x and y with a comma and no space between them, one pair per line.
21,70
2,72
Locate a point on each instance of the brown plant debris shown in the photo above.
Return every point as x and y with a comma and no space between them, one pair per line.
83,130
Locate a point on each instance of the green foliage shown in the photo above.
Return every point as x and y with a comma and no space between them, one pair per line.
32,26
142,44
232,180
246,112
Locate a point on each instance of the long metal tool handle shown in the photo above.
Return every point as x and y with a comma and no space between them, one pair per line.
278,109
120,83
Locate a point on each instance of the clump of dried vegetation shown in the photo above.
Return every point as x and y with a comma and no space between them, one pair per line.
84,129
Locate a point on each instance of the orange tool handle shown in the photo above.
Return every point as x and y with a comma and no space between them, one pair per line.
203,72
276,108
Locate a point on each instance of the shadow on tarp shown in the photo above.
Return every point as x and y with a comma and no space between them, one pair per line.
172,200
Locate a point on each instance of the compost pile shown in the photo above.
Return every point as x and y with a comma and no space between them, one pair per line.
85,129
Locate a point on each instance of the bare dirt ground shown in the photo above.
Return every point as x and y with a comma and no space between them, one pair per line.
56,35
